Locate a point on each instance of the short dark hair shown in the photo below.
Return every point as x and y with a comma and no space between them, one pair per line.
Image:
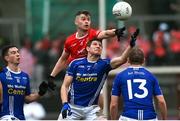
5,50
85,12
136,56
94,39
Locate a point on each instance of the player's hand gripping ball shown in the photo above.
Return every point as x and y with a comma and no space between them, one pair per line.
122,10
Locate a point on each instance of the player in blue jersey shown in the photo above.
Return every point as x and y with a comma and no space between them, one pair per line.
137,86
15,86
84,80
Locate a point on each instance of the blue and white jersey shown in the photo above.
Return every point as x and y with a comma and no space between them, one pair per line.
88,80
15,87
137,86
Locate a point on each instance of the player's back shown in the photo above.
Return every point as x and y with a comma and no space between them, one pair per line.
138,86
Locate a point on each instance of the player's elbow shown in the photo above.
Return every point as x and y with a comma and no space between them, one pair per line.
113,105
161,99
117,63
161,102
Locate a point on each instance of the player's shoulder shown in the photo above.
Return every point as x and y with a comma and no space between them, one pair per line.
78,61
71,37
2,69
95,31
106,60
24,73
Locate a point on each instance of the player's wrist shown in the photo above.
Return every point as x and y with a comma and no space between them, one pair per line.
64,103
43,87
51,77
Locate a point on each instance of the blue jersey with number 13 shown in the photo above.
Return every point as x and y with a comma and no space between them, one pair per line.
137,86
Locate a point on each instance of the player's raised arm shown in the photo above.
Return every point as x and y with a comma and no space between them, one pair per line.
116,62
111,33
60,65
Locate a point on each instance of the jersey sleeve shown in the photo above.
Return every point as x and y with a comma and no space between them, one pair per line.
108,66
116,90
157,90
28,90
71,69
66,45
94,33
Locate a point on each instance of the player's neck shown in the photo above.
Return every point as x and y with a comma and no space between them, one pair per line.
93,57
136,65
13,67
81,33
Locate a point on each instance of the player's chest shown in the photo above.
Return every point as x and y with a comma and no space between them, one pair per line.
78,44
15,81
90,70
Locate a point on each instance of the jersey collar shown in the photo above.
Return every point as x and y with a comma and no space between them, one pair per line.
18,72
80,37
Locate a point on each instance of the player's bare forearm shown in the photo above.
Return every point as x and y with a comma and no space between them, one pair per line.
61,64
118,61
32,97
64,93
65,88
163,110
114,107
106,34
162,106
113,113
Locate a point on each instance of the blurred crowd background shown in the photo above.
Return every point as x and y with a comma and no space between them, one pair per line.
39,28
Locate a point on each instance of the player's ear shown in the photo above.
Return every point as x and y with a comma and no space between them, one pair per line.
6,58
87,48
76,21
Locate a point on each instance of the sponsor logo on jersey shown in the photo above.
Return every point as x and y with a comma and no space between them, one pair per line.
86,79
17,79
12,91
8,75
16,89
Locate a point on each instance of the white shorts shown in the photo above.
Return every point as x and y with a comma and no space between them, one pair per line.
84,113
9,118
123,118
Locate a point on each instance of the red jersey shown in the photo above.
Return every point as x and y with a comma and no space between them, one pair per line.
77,46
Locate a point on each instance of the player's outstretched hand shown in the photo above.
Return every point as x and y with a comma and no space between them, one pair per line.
119,32
66,110
43,87
134,37
51,83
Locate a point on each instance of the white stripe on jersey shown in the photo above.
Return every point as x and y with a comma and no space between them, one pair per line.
98,90
11,105
72,94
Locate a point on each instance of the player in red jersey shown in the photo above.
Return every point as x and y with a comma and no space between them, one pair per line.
75,44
